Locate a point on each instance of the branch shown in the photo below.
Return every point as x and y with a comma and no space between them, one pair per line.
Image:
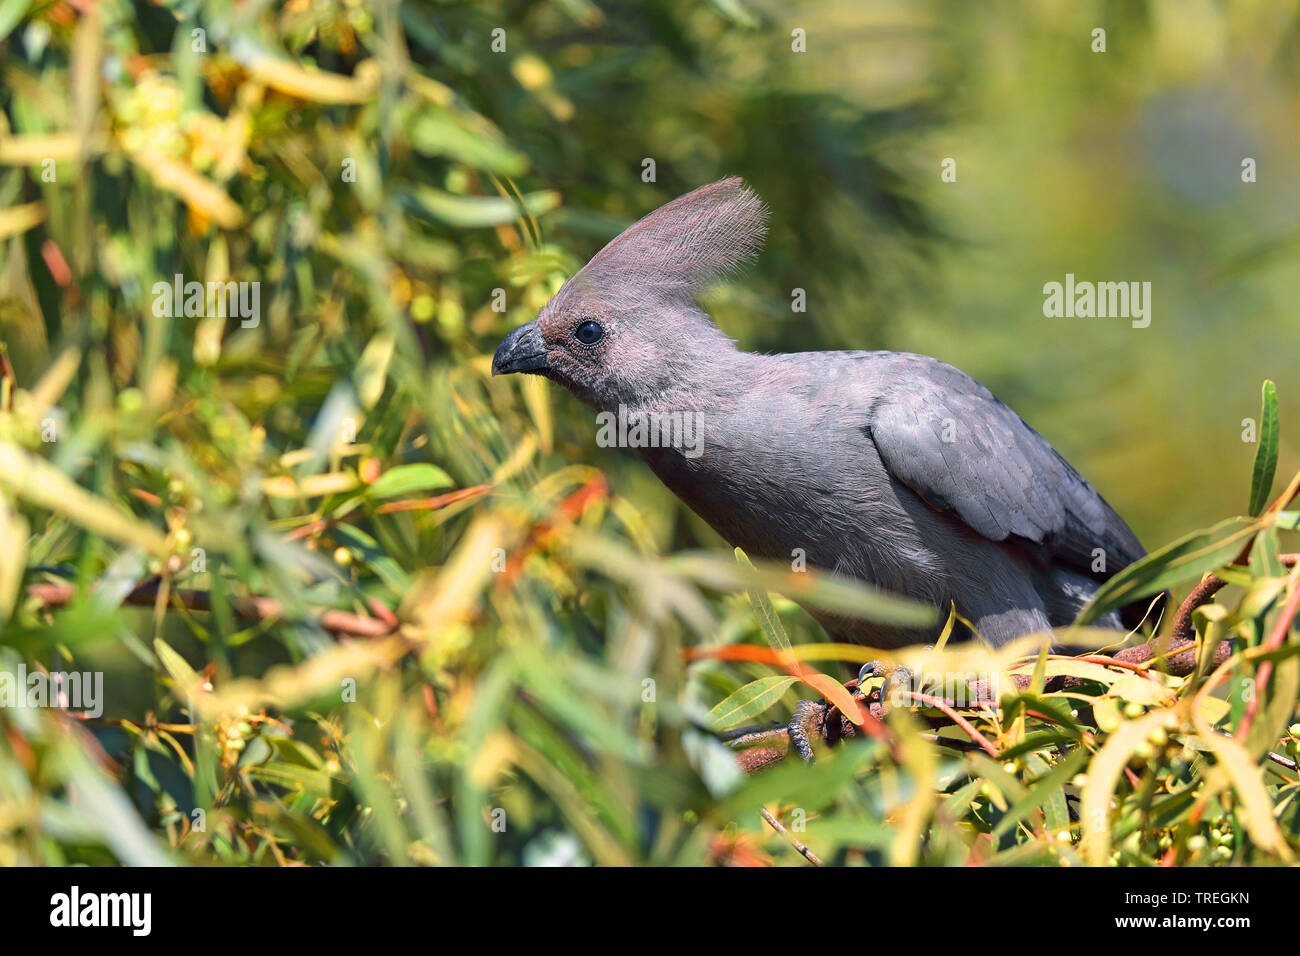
776,825
254,609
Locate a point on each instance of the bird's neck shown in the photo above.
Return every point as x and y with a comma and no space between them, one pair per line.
696,379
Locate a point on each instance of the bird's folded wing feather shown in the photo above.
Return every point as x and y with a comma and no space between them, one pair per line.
946,437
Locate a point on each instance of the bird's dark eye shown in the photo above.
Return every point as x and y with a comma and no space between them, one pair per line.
589,332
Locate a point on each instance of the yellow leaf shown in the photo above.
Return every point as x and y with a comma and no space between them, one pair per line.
317,86
37,482
536,395
35,148
1103,775
920,760
55,381
13,557
440,600
521,456
1256,808
18,219
1142,691
198,192
834,692
311,486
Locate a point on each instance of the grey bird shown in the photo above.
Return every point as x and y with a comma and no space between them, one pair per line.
892,468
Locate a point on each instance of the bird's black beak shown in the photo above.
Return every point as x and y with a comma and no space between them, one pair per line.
521,351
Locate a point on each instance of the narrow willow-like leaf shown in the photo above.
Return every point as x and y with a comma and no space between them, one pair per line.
477,211
40,483
1183,560
946,633
920,759
1278,707
466,139
956,806
371,373
409,479
1103,775
1046,789
749,701
176,666
773,629
813,589
1256,807
834,692
1261,479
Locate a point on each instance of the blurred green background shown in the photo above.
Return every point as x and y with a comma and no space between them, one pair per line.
382,168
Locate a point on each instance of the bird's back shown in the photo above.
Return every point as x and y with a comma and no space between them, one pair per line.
905,472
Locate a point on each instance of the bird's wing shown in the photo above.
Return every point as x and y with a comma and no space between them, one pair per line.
946,437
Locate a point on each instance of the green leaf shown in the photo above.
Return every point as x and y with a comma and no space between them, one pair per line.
293,777
478,211
1278,706
410,479
768,621
40,483
438,132
1186,559
734,10
11,12
819,589
1255,809
371,373
749,701
175,665
1047,788
1103,776
958,803
106,808
1261,479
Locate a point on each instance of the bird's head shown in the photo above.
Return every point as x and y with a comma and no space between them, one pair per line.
626,327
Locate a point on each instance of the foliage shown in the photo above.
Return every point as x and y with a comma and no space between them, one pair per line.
225,518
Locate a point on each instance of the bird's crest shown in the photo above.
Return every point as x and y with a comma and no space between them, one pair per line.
684,245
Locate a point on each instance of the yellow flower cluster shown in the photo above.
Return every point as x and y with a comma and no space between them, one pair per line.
152,119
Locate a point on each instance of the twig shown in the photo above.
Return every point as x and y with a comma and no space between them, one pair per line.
1282,761
1275,639
1282,501
1201,594
956,718
318,525
952,742
776,825
1210,585
432,504
256,608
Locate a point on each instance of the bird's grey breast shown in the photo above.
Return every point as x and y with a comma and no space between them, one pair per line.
785,467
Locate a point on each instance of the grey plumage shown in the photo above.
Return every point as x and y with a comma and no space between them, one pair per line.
892,468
